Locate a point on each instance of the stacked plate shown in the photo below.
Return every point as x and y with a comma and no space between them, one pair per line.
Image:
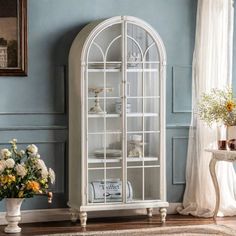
110,153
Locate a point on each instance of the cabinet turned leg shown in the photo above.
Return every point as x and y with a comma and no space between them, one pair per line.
163,212
149,212
74,215
83,218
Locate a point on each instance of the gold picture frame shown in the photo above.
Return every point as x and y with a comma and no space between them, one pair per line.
13,38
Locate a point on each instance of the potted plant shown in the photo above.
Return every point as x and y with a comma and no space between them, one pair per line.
23,174
219,106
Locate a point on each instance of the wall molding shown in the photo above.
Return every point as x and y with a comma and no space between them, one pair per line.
177,126
61,214
48,127
174,181
34,113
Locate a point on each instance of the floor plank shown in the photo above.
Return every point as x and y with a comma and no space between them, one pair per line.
118,223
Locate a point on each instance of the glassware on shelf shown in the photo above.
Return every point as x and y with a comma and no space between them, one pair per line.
96,109
118,107
136,144
133,59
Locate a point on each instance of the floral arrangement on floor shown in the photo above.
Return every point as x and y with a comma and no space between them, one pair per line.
22,173
218,106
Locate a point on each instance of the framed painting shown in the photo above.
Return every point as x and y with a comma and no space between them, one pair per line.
13,37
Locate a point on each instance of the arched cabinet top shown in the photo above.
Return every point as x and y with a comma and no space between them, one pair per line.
83,41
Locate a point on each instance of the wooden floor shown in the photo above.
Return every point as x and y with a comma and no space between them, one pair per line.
118,223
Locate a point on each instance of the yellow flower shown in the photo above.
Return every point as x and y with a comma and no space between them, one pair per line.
21,194
33,185
230,105
3,179
11,178
7,179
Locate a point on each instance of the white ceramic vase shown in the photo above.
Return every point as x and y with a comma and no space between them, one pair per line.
13,214
231,132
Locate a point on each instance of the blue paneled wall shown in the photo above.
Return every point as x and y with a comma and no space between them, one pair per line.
33,109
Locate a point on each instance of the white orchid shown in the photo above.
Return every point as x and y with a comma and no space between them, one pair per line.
5,153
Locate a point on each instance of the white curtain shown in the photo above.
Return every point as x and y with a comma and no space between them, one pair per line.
212,68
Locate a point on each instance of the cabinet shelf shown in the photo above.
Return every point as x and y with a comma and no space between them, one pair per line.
127,114
120,70
117,160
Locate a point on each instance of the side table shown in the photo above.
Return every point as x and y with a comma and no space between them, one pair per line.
219,155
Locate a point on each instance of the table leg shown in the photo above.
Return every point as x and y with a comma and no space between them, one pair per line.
212,166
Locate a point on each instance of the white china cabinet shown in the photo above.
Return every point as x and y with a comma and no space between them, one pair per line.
117,118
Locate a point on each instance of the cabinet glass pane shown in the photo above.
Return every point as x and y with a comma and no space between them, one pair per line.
151,106
95,186
152,146
134,84
151,84
108,38
114,185
103,146
95,143
95,125
134,124
135,145
114,83
105,186
152,124
140,47
135,180
135,105
152,189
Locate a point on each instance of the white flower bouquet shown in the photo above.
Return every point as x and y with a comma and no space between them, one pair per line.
218,106
22,173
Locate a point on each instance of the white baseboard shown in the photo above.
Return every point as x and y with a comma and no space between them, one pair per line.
61,214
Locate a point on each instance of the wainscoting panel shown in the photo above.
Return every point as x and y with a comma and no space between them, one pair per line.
179,154
178,94
176,154
182,87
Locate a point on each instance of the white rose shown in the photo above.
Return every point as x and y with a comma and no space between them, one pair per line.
32,150
10,163
52,175
5,153
20,170
42,167
2,165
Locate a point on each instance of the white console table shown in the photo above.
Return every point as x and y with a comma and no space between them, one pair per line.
219,155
